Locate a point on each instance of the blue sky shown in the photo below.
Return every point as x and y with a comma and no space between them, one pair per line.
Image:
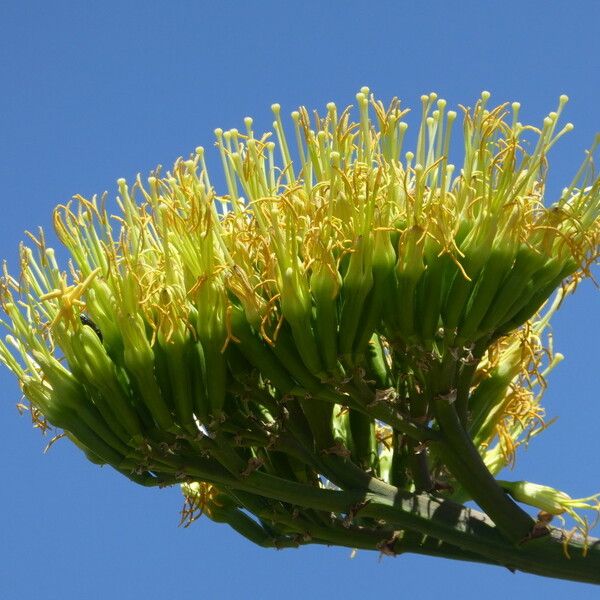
95,91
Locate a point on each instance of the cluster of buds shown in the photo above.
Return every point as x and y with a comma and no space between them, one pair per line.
348,316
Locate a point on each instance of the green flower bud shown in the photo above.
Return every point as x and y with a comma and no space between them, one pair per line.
547,498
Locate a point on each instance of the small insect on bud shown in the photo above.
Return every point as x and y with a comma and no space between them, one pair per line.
85,320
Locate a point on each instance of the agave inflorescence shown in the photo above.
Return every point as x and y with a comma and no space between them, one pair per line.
347,341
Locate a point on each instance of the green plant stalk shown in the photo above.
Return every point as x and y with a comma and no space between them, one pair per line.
386,540
463,460
466,464
418,464
464,376
469,530
292,530
442,520
446,521
340,470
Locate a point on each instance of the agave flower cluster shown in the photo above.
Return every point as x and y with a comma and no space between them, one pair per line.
348,316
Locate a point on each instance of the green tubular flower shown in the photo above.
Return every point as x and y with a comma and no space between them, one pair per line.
553,502
546,498
325,283
348,324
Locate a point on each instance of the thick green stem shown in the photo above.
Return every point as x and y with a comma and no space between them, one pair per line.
451,523
386,540
465,463
445,521
290,531
253,531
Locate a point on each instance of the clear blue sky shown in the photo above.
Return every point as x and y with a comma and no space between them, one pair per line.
96,91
